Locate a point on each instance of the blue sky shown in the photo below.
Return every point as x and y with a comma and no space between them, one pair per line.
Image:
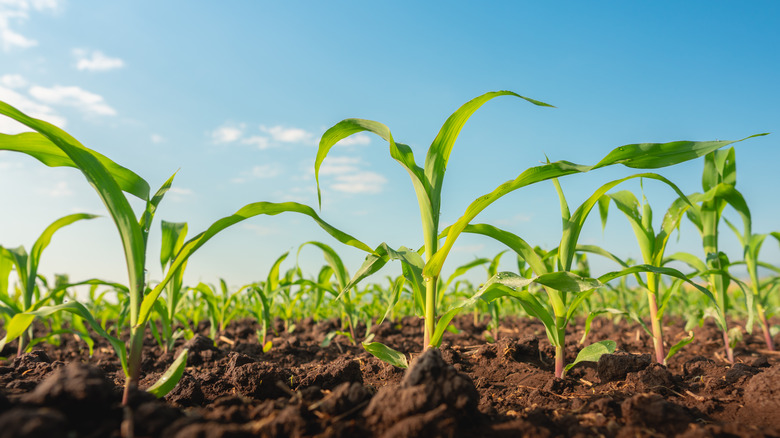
236,97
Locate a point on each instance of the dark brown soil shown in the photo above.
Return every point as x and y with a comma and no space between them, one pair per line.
467,388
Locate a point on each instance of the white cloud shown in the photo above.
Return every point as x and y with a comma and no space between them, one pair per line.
13,81
349,177
17,11
28,106
261,142
84,100
264,171
58,190
96,61
339,166
288,135
180,191
355,140
227,133
157,138
12,40
361,182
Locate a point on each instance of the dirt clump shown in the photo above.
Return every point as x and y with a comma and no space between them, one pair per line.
432,400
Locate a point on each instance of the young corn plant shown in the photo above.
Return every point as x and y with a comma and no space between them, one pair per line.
220,306
350,311
751,244
54,147
264,293
564,289
173,237
27,267
428,180
719,181
652,246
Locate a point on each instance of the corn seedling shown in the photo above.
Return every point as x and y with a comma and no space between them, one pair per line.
751,244
27,266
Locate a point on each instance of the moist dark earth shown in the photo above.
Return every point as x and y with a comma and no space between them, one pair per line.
467,388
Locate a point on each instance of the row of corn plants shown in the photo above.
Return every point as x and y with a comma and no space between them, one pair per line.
553,285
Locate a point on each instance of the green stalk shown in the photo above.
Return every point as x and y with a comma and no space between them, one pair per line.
655,319
710,219
135,352
430,310
770,345
560,349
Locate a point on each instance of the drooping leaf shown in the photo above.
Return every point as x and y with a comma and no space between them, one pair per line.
38,146
170,377
677,346
386,354
592,353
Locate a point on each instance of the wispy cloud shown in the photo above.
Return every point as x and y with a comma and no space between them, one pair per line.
257,140
180,191
350,177
85,101
339,166
13,81
227,133
59,190
96,61
361,182
28,106
288,135
179,194
16,12
264,171
267,137
355,140
157,138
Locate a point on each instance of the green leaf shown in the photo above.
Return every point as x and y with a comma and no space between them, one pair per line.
272,281
333,260
645,156
592,353
441,326
38,146
173,236
439,151
386,354
680,344
45,238
170,378
21,321
514,242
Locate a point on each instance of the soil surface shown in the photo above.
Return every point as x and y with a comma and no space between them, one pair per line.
467,388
